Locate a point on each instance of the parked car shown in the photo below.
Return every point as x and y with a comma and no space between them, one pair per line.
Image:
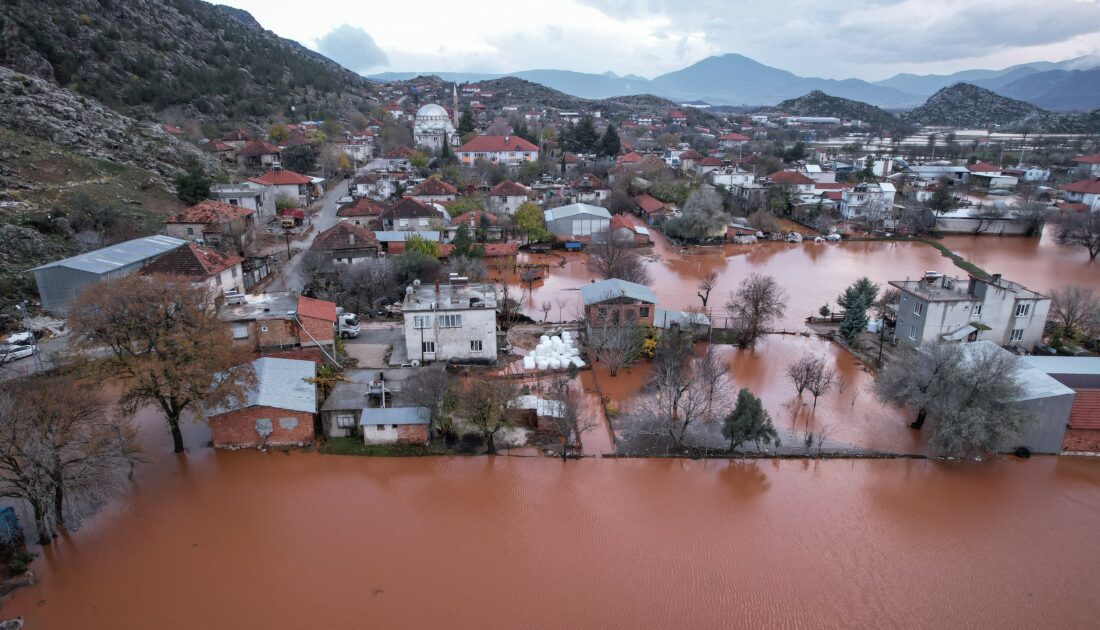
11,352
344,200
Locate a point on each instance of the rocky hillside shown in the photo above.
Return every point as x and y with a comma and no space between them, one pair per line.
969,106
200,61
818,103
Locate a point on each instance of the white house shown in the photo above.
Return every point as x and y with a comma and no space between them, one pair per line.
506,197
246,195
1086,191
1090,164
200,265
452,322
729,177
508,150
577,220
283,183
868,200
940,307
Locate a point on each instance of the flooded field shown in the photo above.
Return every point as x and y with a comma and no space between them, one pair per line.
300,540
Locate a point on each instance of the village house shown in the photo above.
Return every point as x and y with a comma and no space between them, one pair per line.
411,214
707,165
728,177
614,302
61,281
358,150
623,230
221,150
398,157
258,154
280,321
452,322
688,158
507,150
246,195
590,189
278,411
651,207
477,221
433,190
577,221
868,200
507,196
346,243
941,307
377,185
288,185
741,233
370,404
212,222
237,138
1085,191
1082,375
731,141
933,173
677,117
797,182
363,212
1089,165
200,265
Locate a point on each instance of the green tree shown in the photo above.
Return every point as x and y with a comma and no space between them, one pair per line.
330,127
466,122
585,135
193,186
942,200
854,322
795,153
278,133
301,158
464,244
529,220
414,265
862,290
419,244
609,144
749,422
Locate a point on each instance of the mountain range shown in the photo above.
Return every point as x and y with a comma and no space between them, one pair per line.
733,79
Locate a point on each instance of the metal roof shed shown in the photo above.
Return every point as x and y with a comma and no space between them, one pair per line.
59,282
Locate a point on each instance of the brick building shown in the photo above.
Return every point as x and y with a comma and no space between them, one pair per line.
280,321
1082,375
618,301
278,411
200,265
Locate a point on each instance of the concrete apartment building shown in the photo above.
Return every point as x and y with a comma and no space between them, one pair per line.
940,307
451,322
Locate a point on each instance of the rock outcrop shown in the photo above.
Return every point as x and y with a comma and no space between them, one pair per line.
818,103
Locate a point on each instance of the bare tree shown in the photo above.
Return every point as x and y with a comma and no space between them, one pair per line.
801,372
615,345
706,285
1074,307
919,378
545,308
1081,229
682,393
756,304
988,217
566,422
1034,214
162,340
484,403
822,380
315,266
616,257
366,284
469,267
764,221
430,388
561,303
61,452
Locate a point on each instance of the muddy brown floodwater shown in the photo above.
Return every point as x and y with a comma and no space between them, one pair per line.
300,540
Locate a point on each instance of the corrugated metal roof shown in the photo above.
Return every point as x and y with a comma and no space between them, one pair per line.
118,256
281,383
394,415
390,236
665,317
1065,365
614,288
574,209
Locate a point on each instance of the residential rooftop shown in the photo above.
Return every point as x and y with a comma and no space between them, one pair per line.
935,287
283,305
118,256
454,296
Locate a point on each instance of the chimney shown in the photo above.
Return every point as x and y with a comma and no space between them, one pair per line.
506,139
351,239
996,278
437,286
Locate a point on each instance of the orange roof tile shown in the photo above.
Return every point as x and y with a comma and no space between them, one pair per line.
317,309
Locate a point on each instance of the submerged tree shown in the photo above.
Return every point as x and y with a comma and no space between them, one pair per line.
484,403
615,345
757,303
566,422
1074,307
430,388
683,391
616,257
706,285
161,339
1081,230
749,422
61,451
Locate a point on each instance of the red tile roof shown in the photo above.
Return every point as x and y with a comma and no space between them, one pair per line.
1085,186
508,188
834,195
281,177
631,157
496,144
216,146
344,235
363,207
317,309
691,154
398,153
1074,207
569,158
1092,158
675,113
209,212
790,177
649,204
589,181
473,217
620,221
255,148
191,261
409,207
709,161
433,186
1085,413
831,185
982,167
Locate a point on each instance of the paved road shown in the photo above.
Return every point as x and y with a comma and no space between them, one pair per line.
292,279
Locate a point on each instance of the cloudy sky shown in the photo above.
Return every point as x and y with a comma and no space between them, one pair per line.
869,39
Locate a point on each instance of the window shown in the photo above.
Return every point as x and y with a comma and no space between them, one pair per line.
345,421
503,200
912,332
240,331
233,271
1023,309
1017,334
918,308
977,309
475,345
403,222
190,231
428,347
263,328
234,202
601,312
450,321
218,279
380,427
631,315
423,222
643,311
421,321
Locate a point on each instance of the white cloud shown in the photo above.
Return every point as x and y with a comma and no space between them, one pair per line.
353,48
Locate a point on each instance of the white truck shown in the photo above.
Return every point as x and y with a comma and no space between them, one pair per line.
347,324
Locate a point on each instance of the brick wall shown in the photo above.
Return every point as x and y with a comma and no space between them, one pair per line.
320,329
280,332
238,428
1082,440
412,434
627,313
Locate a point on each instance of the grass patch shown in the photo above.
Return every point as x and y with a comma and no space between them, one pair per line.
959,261
355,446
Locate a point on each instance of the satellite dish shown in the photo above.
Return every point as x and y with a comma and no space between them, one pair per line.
416,282
415,362
408,290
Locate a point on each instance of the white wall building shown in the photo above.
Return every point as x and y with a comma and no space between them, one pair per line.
249,195
453,322
868,200
433,127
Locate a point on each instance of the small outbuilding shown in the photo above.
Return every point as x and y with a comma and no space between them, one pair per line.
278,411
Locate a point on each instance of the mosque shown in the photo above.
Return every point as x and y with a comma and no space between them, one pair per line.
433,126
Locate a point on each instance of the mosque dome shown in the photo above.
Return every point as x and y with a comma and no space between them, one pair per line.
431,110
